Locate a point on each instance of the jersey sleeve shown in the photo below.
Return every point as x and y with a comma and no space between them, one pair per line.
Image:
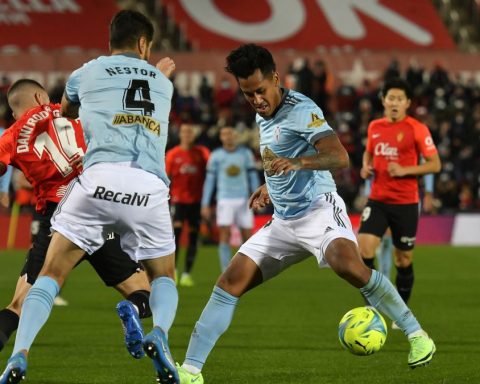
72,86
168,161
308,121
424,140
6,146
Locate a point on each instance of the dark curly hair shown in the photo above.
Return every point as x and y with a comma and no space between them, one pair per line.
246,59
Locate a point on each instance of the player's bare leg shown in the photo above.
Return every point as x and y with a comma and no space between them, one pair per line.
10,315
344,258
61,257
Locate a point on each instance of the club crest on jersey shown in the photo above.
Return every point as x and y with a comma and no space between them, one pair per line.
316,121
400,136
276,133
129,119
232,170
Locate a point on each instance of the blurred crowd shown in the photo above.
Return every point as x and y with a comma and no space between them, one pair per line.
448,104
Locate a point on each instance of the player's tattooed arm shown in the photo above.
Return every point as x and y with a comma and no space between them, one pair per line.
331,154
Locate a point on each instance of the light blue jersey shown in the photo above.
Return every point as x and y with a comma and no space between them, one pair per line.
292,132
125,104
232,173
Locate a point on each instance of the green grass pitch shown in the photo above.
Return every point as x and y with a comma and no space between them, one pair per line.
283,332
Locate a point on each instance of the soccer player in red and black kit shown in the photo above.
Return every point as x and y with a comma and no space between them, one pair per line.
48,149
391,159
186,167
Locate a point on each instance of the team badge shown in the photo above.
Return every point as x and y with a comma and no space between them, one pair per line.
233,170
400,136
316,121
267,157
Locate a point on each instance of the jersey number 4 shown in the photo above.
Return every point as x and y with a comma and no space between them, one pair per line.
137,97
64,150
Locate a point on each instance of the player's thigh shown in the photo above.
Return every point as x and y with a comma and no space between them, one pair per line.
41,240
178,213
62,256
113,265
274,248
403,222
373,225
326,220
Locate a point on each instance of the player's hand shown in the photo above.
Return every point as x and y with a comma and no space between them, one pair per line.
4,200
166,65
206,213
428,204
77,162
283,165
395,170
259,199
366,172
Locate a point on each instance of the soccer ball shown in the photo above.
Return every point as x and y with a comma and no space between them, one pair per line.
362,331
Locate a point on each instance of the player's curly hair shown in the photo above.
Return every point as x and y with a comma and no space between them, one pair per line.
243,61
127,27
397,83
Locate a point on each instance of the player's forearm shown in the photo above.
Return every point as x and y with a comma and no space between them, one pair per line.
366,159
325,161
422,169
3,168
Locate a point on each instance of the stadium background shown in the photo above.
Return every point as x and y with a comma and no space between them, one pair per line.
339,52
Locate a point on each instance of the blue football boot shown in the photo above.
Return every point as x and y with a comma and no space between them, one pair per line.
16,369
156,347
132,328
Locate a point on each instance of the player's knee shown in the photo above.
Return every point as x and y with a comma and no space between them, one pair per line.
16,305
403,258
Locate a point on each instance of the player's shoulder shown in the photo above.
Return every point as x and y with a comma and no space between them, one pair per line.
378,122
414,123
173,151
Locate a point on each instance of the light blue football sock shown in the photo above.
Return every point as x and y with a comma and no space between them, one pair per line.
163,302
35,312
384,255
225,254
381,293
214,321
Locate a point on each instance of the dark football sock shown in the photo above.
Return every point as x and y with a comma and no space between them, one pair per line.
191,251
8,325
140,299
404,281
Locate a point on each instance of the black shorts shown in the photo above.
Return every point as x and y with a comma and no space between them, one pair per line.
110,262
401,218
186,212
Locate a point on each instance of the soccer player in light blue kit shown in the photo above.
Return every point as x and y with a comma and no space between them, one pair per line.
231,169
298,150
124,108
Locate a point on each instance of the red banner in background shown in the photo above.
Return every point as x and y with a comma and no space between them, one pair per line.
56,23
309,24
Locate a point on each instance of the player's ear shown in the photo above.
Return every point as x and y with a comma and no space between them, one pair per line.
276,79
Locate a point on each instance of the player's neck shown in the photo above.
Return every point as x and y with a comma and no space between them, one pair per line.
186,147
230,148
396,119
